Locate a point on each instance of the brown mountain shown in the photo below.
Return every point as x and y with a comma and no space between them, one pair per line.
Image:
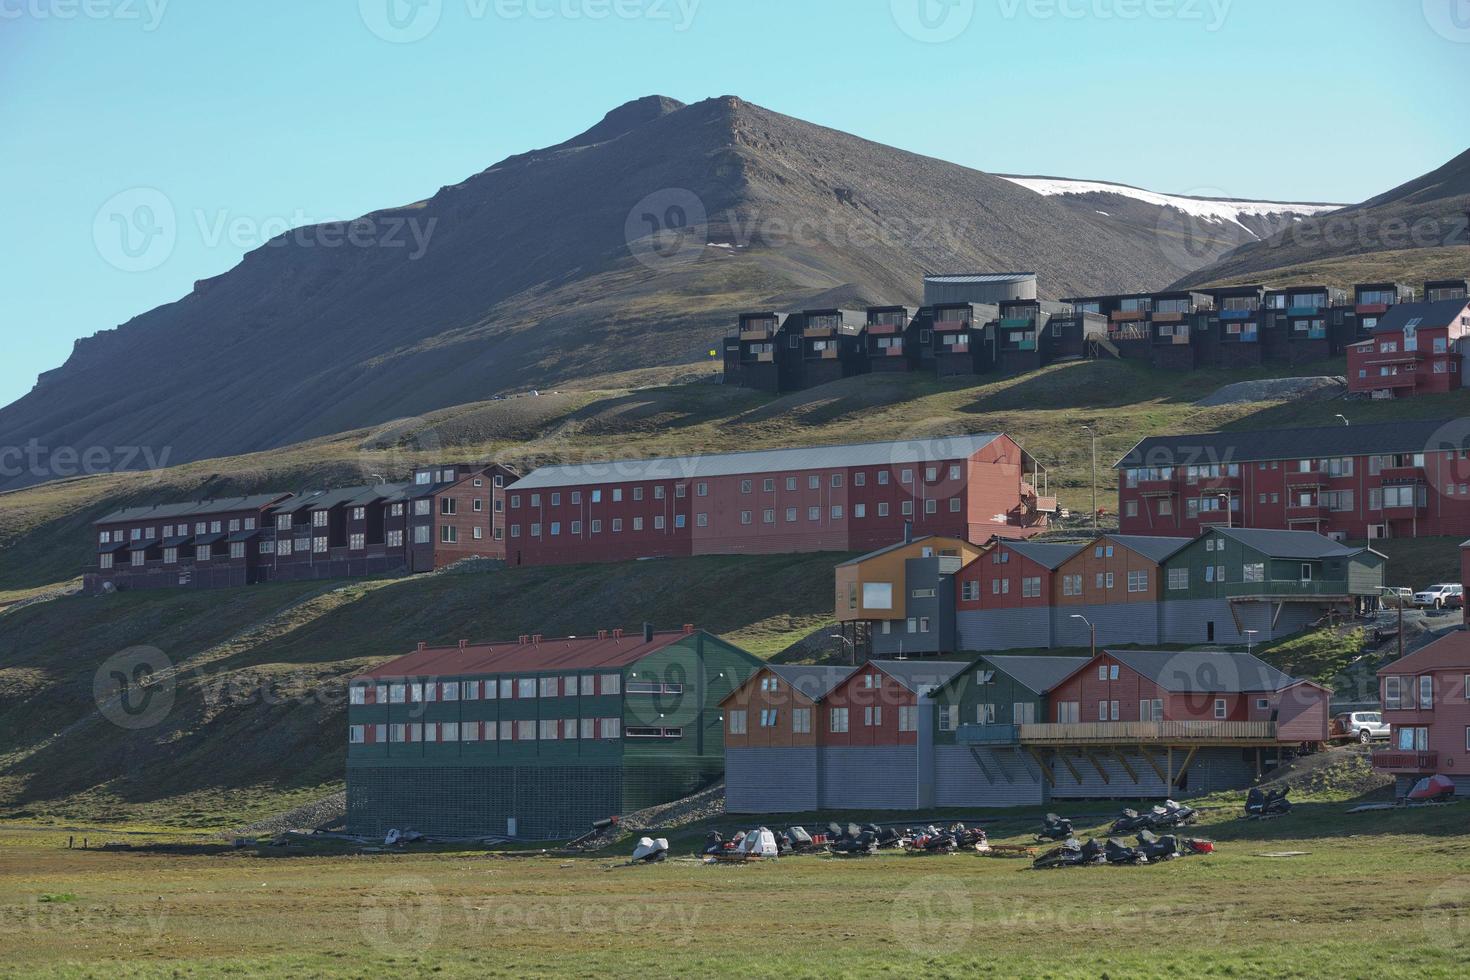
1429,213
553,265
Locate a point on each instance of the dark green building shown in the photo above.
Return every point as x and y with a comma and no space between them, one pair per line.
537,738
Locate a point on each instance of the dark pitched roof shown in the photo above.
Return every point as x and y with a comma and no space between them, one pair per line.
1204,672
920,675
1439,313
1038,674
1409,436
1308,545
572,653
1047,555
1154,548
1449,651
191,508
815,681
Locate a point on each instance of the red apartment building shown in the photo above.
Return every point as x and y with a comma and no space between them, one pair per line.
1426,702
1414,349
1397,479
445,513
818,498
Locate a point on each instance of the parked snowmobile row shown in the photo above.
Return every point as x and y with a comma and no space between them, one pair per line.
1263,804
1149,849
957,837
1165,817
851,840
1054,827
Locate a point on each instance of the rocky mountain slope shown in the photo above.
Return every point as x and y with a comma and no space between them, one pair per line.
631,245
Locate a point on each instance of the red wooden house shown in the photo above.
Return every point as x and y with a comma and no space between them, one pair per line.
1414,349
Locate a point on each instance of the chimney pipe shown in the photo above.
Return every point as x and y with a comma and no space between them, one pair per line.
463,644
602,634
536,639
647,632
618,633
525,638
688,629
423,646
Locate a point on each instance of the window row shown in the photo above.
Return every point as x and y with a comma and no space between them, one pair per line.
545,730
503,688
931,474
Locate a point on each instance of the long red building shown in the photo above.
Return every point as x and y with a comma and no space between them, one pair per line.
1386,480
817,498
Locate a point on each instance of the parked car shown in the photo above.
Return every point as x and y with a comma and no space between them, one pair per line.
1394,598
1436,596
1360,726
1455,600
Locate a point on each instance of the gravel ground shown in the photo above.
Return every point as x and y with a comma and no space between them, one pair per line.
319,814
1276,390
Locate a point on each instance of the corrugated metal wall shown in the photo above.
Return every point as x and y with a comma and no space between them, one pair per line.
1005,629
883,777
771,780
1136,622
960,780
1186,620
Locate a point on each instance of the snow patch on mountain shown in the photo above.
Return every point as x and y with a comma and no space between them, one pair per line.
1214,209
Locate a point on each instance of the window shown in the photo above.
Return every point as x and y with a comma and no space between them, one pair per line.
611,684
1151,710
701,489
769,717
1071,584
949,717
907,718
104,561
873,716
1138,581
931,506
1412,739
421,508
1221,711
836,512
985,714
637,523
525,731
837,720
907,508
357,542
814,482
736,720
1068,712
548,687
547,731
883,508
448,534
1178,579
1426,691
355,734
201,553
283,547
801,721
906,476
745,517
883,478
970,590
814,513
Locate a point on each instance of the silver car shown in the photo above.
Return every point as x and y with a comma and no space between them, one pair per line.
1361,726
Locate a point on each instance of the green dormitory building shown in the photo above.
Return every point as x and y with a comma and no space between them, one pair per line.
537,738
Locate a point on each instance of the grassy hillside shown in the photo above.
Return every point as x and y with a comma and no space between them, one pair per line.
257,720
45,537
1410,266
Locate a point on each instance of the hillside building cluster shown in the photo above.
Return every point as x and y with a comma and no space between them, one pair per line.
993,322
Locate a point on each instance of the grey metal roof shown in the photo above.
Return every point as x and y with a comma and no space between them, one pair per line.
884,550
1152,547
1288,544
1439,313
1204,672
191,508
1202,448
920,675
981,277
758,461
1038,674
813,680
1047,555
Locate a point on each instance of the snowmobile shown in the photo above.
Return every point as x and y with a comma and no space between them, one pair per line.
1431,789
1130,822
1155,848
1054,827
650,851
1263,804
1067,854
851,841
933,841
969,838
1171,815
1119,852
800,842
888,836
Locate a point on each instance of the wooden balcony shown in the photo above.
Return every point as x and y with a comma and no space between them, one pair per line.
1401,474
757,332
1388,381
1306,512
1121,316
1398,760
1158,488
950,326
818,332
1370,308
1168,317
1222,482
890,352
830,354
883,329
1305,481
1143,732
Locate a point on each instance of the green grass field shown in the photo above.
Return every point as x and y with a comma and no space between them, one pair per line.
1381,895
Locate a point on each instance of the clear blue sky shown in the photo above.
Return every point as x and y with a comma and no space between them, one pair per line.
252,116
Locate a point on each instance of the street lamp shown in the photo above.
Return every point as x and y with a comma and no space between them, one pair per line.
1093,433
1344,418
1229,517
1091,631
1248,641
850,643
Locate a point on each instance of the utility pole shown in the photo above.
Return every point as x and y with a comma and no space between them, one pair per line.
1095,519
